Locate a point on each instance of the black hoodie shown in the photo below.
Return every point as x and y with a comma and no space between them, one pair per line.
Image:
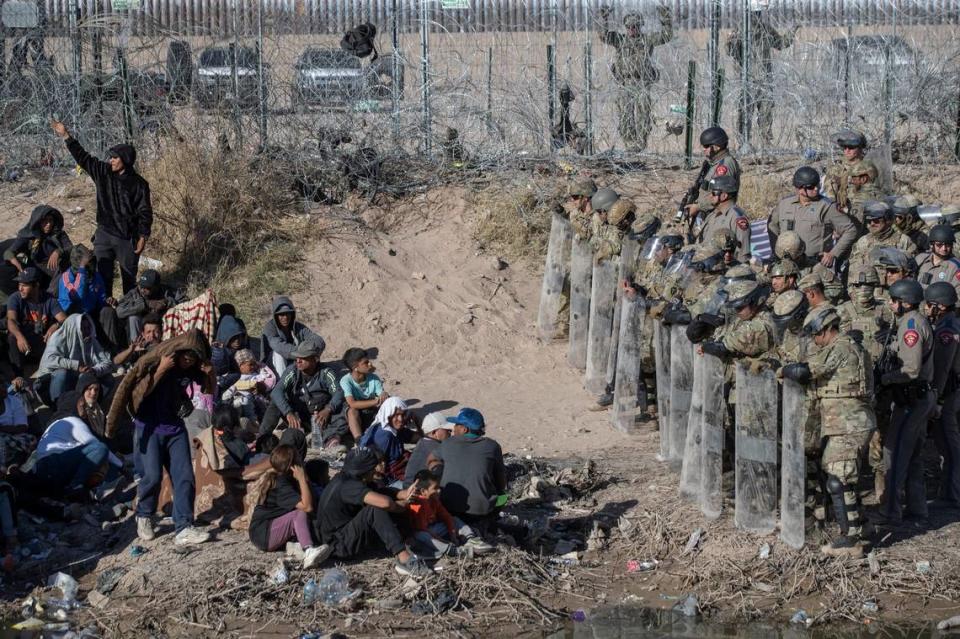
32,242
123,199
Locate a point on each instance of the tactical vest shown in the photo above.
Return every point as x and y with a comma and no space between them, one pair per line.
853,379
867,324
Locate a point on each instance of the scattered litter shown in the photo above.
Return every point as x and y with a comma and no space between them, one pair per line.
800,617
597,539
443,602
417,275
578,616
311,592
646,565
30,624
108,579
688,607
765,551
693,541
136,551
334,588
952,622
923,567
625,525
279,574
763,587
97,599
870,607
66,584
874,563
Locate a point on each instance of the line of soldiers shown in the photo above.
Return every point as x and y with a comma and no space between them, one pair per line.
858,304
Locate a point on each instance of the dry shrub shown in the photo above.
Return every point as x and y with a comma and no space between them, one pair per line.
216,210
760,192
515,219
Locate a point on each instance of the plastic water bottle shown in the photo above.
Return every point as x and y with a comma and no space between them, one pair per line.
334,587
311,592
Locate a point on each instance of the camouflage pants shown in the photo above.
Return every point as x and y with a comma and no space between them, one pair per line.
841,458
563,314
633,105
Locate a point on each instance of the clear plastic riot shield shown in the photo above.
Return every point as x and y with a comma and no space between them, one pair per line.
581,277
793,466
629,395
628,255
555,273
690,471
756,450
661,355
602,301
681,389
711,428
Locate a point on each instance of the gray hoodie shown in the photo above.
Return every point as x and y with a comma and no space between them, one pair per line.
276,341
66,349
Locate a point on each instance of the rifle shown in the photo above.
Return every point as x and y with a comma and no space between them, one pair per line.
690,197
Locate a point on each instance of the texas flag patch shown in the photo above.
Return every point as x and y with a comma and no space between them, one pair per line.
742,223
911,337
721,170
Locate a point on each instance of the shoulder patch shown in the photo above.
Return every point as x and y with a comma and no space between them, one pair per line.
947,337
721,170
743,224
911,337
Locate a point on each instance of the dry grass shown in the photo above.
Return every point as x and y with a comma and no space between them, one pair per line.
515,219
761,190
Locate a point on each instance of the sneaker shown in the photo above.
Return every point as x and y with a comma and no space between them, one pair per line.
843,547
145,529
316,555
479,546
413,567
191,535
294,551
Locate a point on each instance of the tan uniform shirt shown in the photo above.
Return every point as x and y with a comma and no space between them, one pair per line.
947,270
733,218
816,223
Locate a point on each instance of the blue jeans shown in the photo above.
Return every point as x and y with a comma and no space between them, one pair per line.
72,468
170,452
64,381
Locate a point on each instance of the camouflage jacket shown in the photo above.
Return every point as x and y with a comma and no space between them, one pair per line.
842,375
634,61
863,324
749,338
605,239
859,197
580,221
763,38
889,237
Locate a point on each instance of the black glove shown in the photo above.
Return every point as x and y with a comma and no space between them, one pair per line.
639,290
677,315
717,349
698,330
882,335
715,321
798,372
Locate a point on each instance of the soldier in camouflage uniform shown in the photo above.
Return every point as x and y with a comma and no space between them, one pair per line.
863,177
720,164
863,316
854,147
821,286
826,233
612,217
784,276
907,220
892,266
881,232
909,379
789,310
576,207
726,215
840,374
635,72
941,302
939,264
763,38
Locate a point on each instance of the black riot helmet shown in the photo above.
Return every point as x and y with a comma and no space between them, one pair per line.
714,136
806,176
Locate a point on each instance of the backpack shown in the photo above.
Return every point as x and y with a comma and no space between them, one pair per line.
360,41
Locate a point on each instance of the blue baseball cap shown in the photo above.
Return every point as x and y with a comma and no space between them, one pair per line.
469,418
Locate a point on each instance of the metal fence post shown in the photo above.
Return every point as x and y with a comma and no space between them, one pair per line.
713,56
745,105
490,129
262,82
425,73
551,91
394,88
691,104
588,98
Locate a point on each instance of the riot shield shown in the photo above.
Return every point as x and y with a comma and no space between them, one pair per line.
693,449
711,428
756,450
793,465
555,272
681,388
629,396
661,355
602,299
581,275
628,254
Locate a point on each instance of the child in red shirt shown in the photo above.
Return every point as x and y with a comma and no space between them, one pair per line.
435,531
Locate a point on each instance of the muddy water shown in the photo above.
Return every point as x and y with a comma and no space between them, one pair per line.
634,622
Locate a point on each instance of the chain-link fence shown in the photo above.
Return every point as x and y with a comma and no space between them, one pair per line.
485,81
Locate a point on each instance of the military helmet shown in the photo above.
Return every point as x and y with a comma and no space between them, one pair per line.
632,19
724,240
742,293
905,205
672,242
877,209
603,199
864,167
645,226
724,184
806,176
942,233
740,272
784,268
714,136
851,138
789,245
941,293
706,259
819,319
891,257
908,291
789,307
620,210
863,275
582,188
810,280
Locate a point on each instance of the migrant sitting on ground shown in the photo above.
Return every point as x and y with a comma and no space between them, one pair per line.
42,244
435,531
32,317
16,442
435,429
283,506
283,333
362,391
250,393
150,297
151,332
305,396
393,427
72,350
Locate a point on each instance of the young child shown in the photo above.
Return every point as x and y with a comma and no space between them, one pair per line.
318,474
362,390
251,393
435,532
283,505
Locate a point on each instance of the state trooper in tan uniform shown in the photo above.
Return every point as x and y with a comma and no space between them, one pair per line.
939,264
913,399
881,231
725,215
814,219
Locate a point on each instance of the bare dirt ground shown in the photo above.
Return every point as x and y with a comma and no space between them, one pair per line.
455,328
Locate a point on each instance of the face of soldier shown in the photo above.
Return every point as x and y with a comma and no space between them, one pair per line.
728,257
862,295
823,337
892,275
778,283
878,225
860,180
711,151
942,249
747,312
718,197
852,153
808,193
899,308
934,311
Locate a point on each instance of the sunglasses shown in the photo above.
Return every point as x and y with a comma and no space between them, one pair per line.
875,220
941,243
716,193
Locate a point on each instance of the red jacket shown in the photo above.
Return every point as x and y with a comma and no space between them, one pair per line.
424,512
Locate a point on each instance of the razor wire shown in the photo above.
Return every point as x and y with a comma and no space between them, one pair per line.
475,82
